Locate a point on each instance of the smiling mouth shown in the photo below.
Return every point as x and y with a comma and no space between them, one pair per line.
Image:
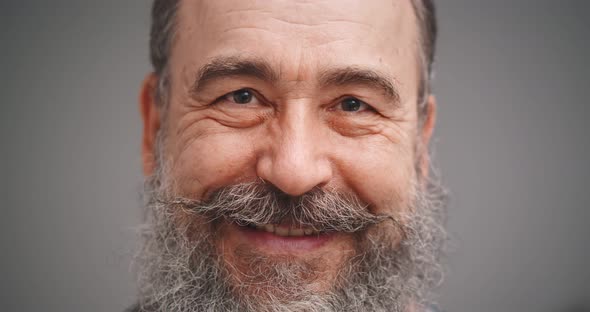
284,238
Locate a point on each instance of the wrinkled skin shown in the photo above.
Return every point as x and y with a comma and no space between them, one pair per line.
297,131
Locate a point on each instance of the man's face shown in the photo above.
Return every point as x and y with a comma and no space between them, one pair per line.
296,96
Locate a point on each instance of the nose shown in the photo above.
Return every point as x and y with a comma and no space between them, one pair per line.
296,159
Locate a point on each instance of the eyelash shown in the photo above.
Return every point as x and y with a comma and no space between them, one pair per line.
256,95
227,97
367,107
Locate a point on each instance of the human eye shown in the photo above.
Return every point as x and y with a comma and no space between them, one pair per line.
352,105
241,97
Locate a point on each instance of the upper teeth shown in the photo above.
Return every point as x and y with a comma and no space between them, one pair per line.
286,231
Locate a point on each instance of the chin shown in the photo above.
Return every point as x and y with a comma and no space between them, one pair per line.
286,268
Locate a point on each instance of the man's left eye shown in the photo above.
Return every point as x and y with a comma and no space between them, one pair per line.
352,104
242,96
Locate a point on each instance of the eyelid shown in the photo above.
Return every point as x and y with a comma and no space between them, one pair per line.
338,102
228,97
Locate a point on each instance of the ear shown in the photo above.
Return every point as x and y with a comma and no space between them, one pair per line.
150,115
427,130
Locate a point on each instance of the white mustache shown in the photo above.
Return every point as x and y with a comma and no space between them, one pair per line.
255,203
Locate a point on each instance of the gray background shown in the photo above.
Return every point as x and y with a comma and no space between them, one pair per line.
512,142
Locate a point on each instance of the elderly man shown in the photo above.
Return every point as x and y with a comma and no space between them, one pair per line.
285,145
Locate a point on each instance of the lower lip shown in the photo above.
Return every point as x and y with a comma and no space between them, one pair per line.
284,244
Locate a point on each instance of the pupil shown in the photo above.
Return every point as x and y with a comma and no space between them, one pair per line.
351,105
242,96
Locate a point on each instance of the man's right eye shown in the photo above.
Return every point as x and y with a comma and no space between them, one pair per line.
242,96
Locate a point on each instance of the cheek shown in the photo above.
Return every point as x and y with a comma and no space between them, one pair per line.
380,172
212,160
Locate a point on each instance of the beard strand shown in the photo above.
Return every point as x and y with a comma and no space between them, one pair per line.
181,270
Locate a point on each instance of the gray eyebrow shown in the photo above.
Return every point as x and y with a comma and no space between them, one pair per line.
259,68
352,75
227,66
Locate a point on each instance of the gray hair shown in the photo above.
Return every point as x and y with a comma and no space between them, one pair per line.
180,270
164,26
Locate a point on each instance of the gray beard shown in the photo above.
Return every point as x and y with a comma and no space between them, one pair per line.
180,269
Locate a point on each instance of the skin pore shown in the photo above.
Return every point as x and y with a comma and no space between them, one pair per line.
300,95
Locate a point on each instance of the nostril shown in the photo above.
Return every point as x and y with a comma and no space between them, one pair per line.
293,180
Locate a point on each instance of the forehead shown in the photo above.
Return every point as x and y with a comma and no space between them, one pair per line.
300,37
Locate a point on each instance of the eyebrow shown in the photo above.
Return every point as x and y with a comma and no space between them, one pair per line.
224,66
353,75
259,68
